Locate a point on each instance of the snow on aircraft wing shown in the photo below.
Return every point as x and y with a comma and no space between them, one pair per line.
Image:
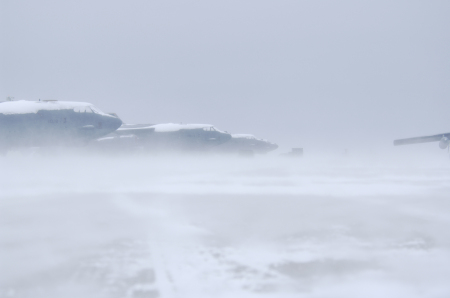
424,139
136,129
166,127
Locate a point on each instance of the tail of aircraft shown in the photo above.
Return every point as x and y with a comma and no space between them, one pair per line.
442,138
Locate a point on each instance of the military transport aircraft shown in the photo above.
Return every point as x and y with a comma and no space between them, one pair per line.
443,139
52,123
247,143
169,136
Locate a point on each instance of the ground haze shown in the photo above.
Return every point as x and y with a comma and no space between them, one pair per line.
197,226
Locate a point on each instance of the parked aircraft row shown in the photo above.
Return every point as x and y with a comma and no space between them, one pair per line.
55,123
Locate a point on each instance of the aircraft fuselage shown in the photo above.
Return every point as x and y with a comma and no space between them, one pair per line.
166,137
245,142
52,124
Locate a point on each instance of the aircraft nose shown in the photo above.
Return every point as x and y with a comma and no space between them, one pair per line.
118,123
113,122
225,137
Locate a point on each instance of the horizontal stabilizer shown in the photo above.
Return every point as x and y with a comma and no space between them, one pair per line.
425,139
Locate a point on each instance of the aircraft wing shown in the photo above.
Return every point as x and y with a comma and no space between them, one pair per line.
425,139
135,129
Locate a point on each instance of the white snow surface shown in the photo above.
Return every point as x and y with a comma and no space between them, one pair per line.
203,226
116,137
29,107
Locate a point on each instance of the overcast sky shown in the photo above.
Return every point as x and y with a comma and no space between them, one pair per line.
300,73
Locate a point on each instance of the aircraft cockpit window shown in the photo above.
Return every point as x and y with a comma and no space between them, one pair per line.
95,110
82,110
208,128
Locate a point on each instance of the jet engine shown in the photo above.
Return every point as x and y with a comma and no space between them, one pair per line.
444,142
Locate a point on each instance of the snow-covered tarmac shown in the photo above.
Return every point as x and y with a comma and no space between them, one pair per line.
167,226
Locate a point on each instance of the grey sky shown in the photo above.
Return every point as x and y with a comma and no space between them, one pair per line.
300,73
